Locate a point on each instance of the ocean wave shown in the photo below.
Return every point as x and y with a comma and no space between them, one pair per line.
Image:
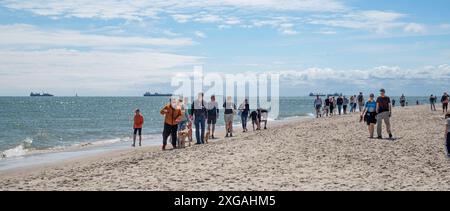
25,147
19,150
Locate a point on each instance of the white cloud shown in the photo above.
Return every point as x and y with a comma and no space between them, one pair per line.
287,29
245,13
444,26
415,28
289,32
200,34
207,18
232,21
372,20
180,18
327,32
135,10
440,72
98,70
31,36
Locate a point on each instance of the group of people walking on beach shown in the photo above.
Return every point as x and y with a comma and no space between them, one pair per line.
202,115
372,111
332,106
180,119
376,111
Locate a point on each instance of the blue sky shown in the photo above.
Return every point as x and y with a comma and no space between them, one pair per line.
124,48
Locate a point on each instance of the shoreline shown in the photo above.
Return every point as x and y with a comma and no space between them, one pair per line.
54,156
320,154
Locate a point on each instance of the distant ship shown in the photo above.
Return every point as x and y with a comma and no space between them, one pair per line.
149,94
315,94
41,95
334,95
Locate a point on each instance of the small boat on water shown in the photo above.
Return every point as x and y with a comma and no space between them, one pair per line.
149,94
32,94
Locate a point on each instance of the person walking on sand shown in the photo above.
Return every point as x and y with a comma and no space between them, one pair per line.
384,113
351,104
340,102
318,106
444,101
244,110
326,108
393,102
213,115
332,103
447,133
433,100
230,109
369,114
360,100
264,117
345,104
198,111
355,103
137,126
402,100
172,116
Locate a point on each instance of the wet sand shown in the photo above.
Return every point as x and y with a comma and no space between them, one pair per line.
313,154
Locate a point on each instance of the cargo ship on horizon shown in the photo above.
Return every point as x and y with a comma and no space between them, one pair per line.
149,94
32,94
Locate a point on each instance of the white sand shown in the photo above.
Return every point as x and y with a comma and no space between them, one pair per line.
324,154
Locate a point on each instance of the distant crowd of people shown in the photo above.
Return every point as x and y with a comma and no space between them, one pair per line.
340,105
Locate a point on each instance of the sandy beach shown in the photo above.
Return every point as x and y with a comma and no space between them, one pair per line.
312,154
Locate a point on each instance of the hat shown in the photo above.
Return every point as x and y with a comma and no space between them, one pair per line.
372,95
382,90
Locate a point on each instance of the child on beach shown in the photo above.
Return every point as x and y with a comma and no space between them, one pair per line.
447,133
264,116
138,123
255,121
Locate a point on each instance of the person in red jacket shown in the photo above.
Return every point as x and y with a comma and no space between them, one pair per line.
138,123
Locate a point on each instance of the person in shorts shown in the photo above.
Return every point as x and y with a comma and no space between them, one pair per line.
230,109
369,114
213,115
360,101
137,126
